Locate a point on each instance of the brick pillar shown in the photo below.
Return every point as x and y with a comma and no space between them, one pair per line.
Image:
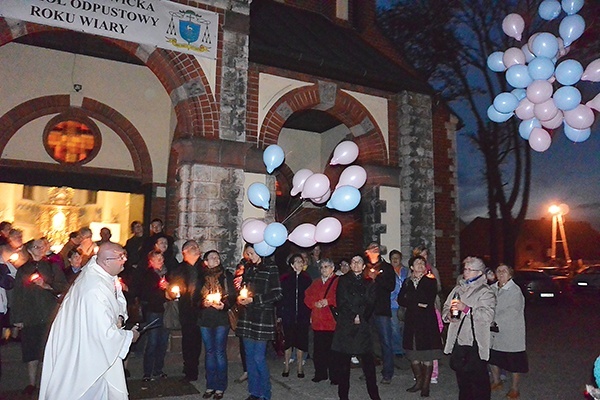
210,208
416,165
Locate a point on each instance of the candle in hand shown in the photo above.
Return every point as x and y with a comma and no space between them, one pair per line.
13,257
214,297
34,276
176,291
244,292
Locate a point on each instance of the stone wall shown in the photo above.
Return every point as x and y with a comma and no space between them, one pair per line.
210,209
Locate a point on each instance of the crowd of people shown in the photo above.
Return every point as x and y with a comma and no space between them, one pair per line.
361,311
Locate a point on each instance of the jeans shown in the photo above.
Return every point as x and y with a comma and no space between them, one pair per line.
215,356
397,333
384,330
157,340
259,378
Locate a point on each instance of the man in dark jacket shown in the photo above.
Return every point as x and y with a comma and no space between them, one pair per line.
186,276
385,281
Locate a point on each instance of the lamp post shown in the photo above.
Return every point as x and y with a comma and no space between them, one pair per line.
558,223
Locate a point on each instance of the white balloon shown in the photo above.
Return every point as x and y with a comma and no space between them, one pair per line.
345,153
354,175
540,140
299,179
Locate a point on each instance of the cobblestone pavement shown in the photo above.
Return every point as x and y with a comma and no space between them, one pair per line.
562,345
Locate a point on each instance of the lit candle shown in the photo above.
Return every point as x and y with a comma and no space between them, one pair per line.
244,292
214,297
162,282
96,249
13,257
176,291
34,276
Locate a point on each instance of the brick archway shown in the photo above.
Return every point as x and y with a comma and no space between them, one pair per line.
30,110
180,74
346,108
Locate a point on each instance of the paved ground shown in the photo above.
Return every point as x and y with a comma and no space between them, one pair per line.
562,345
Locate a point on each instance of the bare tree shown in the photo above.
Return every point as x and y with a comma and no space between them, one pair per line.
449,42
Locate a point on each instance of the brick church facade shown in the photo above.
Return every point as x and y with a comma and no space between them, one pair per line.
302,74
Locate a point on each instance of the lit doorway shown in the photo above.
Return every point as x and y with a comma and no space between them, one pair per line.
54,212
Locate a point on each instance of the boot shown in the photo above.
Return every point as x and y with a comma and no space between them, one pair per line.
416,368
426,370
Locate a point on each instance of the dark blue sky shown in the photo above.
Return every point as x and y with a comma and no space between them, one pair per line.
566,173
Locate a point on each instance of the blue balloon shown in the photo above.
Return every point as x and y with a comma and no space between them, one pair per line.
572,6
541,68
259,195
345,198
275,234
263,249
545,45
273,157
525,127
517,76
571,28
497,116
569,72
495,63
577,135
520,94
567,98
506,102
549,9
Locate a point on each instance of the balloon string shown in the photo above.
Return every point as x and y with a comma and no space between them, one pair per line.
294,211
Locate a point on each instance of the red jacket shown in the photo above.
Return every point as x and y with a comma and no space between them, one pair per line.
321,318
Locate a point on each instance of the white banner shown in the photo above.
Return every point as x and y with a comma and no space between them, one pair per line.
155,22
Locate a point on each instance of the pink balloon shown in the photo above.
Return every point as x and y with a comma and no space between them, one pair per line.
353,175
562,50
513,56
539,91
322,199
246,221
525,109
594,103
303,235
540,140
345,153
530,41
513,25
554,122
581,117
254,231
545,111
315,186
299,179
328,229
592,72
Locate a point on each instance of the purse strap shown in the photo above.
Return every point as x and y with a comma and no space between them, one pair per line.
329,286
472,329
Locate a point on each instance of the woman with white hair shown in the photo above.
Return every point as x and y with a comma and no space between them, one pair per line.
469,309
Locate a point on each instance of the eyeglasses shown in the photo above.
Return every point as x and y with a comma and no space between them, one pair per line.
470,269
122,257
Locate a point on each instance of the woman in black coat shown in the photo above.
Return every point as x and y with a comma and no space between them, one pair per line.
294,314
355,301
422,341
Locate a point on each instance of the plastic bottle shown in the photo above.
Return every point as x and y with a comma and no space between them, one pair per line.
455,312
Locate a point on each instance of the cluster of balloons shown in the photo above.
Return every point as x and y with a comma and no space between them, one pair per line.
315,187
533,71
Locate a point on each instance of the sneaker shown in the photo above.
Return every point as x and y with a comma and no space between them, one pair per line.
354,360
434,380
147,378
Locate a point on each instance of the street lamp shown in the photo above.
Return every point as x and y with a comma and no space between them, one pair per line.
557,212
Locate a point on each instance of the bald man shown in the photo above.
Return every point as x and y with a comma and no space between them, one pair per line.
86,347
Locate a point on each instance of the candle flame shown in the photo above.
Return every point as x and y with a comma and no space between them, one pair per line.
13,257
34,276
244,292
214,297
176,291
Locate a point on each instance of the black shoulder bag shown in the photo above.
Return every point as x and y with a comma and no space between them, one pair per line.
465,358
333,309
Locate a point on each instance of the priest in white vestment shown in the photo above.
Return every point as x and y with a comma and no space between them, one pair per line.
86,347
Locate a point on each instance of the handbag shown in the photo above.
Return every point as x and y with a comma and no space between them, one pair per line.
171,315
234,315
465,358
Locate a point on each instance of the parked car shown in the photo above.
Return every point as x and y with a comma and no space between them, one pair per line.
588,280
536,284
